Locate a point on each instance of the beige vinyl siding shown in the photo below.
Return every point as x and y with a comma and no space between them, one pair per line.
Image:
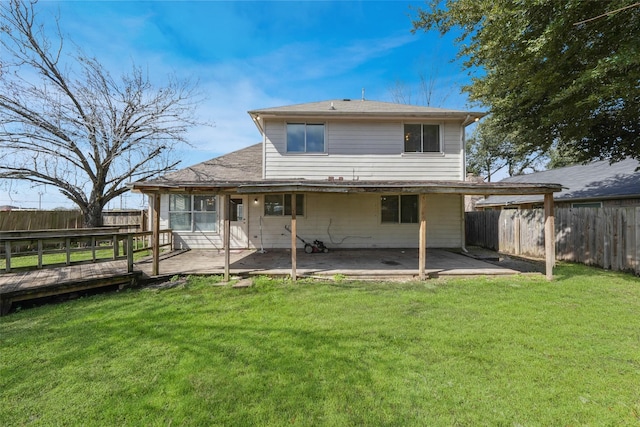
353,221
363,151
339,220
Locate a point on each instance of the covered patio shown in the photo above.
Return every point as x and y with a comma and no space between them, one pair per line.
353,263
296,265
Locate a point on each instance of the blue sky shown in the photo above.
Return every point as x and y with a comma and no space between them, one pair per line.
249,55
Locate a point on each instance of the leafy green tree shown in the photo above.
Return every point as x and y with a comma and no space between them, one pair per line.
490,149
562,74
561,156
67,123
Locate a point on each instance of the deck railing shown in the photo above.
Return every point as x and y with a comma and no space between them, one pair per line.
28,250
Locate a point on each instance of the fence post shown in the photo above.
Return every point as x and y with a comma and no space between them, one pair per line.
517,219
636,252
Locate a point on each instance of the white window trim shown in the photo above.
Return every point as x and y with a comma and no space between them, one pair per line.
439,153
298,214
305,153
399,223
193,212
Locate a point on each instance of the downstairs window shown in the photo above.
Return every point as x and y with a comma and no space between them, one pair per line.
399,209
280,204
193,213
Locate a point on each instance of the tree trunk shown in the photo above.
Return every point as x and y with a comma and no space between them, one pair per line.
92,216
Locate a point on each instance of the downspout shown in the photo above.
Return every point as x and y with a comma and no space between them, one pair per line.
463,226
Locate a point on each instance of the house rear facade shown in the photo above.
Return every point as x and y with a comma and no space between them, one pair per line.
352,173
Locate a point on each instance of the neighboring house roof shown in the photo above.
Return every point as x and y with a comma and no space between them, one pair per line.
594,181
345,108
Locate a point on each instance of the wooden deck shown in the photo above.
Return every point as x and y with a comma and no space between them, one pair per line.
32,284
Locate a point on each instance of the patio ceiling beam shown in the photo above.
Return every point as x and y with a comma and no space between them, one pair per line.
412,188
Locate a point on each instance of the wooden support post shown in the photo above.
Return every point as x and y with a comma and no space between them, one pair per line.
294,234
67,243
40,250
549,235
422,258
7,255
129,249
155,266
93,243
116,247
227,236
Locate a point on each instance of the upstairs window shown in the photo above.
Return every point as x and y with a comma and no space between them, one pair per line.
399,209
421,138
305,138
280,204
192,213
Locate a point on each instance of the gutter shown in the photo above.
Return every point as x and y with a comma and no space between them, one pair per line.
471,119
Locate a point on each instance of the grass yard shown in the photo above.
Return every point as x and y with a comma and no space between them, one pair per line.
516,351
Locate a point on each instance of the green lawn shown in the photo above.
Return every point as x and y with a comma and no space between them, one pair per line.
513,351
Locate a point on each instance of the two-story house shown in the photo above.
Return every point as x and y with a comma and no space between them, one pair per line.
351,173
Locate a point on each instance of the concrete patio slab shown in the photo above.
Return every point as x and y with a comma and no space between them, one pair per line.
378,263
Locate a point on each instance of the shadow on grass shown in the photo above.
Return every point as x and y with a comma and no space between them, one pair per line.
569,271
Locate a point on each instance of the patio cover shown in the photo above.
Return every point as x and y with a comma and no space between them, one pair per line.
422,188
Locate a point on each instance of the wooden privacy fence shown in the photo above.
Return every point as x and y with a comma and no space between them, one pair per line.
125,220
604,237
39,220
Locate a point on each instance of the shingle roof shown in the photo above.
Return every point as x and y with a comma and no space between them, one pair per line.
242,170
244,165
338,107
594,181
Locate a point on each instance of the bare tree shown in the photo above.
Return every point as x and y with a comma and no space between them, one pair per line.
425,93
67,123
